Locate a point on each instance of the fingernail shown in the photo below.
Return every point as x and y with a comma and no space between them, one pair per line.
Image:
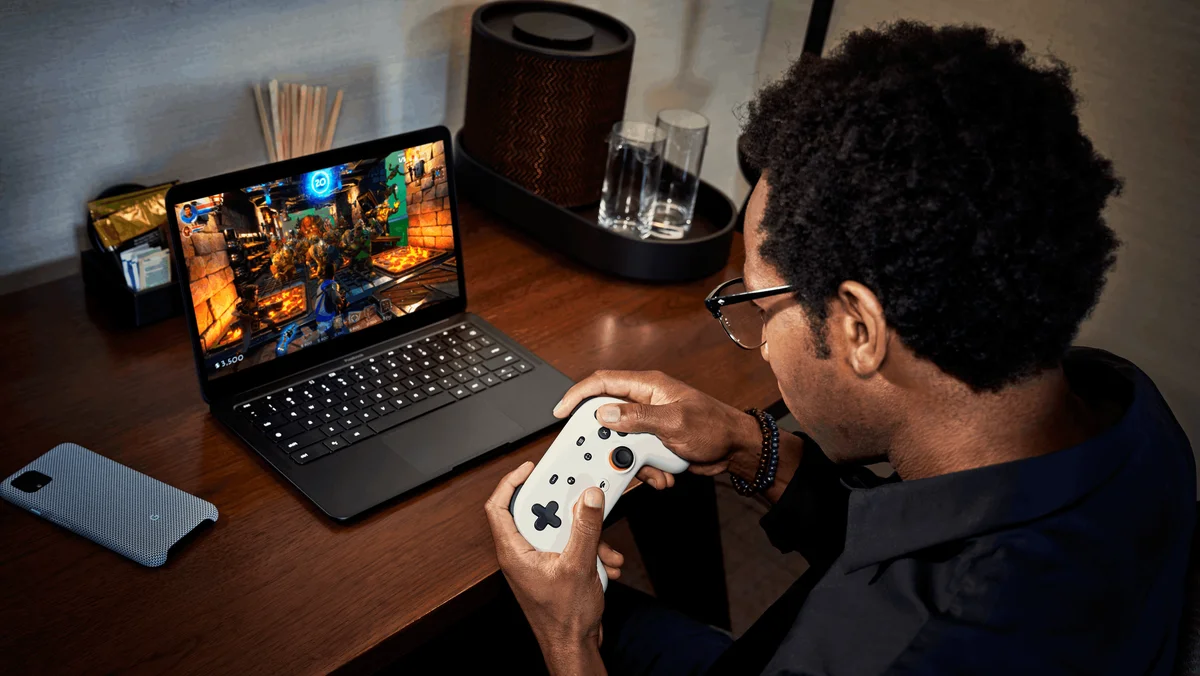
527,463
610,414
593,498
557,406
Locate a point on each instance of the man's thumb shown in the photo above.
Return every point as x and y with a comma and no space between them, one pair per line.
585,531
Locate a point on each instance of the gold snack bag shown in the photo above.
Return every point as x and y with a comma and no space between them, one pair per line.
121,218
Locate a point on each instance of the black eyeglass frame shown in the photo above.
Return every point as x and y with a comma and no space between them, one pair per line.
715,301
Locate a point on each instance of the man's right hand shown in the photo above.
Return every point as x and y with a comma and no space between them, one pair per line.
693,425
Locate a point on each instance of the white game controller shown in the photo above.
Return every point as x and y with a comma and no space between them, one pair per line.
585,454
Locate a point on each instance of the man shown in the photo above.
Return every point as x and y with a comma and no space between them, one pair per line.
926,237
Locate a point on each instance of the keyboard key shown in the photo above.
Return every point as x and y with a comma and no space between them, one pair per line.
393,376
271,422
293,414
507,373
471,345
427,376
422,352
358,376
329,401
312,406
309,454
448,383
425,405
399,403
379,381
473,359
358,434
451,341
437,345
477,371
494,350
382,408
335,443
431,389
311,422
364,402
463,376
484,341
426,364
497,362
460,392
302,440
285,431
289,401
411,369
415,395
458,365
457,351
349,422
522,367
363,387
490,380
366,415
375,369
345,408
442,371
328,415
475,386
381,395
410,383
347,394
469,333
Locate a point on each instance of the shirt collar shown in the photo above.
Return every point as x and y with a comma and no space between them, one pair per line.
902,517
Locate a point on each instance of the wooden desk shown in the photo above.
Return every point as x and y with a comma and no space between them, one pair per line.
274,587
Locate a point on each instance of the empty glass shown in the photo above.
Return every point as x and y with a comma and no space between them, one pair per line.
631,177
686,133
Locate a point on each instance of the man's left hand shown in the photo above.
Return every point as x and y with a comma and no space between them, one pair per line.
559,593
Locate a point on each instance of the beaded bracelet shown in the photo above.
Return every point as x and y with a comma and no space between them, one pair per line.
768,462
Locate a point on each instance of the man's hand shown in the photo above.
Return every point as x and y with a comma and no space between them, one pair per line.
693,425
559,593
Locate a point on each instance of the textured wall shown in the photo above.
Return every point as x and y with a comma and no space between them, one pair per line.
98,92
1137,65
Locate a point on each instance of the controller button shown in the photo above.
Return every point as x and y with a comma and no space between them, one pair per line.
622,457
546,516
603,485
513,501
553,479
587,456
571,480
622,434
605,433
579,441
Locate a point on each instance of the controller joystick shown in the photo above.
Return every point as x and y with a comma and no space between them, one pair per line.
542,506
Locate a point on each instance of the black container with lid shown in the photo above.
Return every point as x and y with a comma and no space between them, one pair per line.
545,84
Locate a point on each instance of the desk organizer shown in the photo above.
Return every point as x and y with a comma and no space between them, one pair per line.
104,281
576,233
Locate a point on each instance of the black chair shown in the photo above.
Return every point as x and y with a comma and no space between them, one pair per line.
1187,659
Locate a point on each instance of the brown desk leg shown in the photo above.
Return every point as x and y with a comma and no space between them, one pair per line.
678,534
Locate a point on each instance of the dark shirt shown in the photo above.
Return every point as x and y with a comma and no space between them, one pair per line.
1071,562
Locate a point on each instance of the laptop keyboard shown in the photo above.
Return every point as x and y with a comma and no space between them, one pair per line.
334,411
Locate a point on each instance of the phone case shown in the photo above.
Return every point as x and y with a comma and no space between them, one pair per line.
110,504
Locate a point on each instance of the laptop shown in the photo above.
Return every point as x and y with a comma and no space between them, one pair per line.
326,304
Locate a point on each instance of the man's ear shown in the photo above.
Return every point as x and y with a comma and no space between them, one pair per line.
861,326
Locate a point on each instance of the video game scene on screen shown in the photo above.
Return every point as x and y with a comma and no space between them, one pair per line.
275,268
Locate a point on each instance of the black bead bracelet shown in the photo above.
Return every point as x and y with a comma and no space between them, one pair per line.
768,462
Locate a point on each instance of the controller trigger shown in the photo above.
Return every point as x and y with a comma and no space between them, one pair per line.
513,500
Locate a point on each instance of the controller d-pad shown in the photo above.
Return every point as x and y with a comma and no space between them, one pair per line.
546,516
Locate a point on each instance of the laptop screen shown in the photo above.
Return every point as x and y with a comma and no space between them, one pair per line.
281,266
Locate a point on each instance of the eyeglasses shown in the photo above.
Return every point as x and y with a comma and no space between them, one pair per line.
742,320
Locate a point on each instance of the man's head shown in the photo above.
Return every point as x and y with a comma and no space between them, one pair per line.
930,195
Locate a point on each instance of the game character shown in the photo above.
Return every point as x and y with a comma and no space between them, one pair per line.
247,314
329,305
283,264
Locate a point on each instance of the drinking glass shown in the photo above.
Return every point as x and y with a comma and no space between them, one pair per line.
631,177
686,134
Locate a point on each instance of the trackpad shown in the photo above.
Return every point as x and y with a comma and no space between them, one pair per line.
436,442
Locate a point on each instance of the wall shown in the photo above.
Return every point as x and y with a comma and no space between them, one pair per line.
429,215
1137,65
99,92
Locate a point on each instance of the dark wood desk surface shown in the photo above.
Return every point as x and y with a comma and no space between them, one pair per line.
274,587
